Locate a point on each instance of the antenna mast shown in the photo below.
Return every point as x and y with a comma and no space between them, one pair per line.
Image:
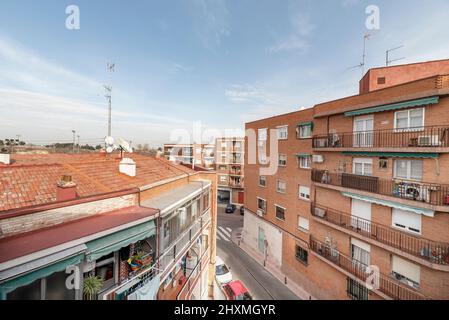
387,56
110,68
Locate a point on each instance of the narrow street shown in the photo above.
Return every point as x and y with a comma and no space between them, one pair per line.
260,283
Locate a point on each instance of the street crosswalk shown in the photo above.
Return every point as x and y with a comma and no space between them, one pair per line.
224,234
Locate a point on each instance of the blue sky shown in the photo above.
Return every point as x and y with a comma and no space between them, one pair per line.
219,62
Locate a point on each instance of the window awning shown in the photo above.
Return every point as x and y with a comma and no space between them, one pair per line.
113,242
305,123
391,154
391,204
303,155
394,106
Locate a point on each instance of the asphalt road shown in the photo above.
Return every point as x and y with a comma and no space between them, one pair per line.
259,282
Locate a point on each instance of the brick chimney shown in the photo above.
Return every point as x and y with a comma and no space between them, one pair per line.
66,189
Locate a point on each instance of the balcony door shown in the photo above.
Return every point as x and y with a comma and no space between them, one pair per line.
363,132
360,253
361,215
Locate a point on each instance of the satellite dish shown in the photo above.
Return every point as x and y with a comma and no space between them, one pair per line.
109,140
109,149
124,145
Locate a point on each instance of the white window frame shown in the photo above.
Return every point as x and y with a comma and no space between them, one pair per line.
303,224
265,201
262,134
301,166
275,211
223,178
281,134
279,160
265,179
277,186
301,132
363,162
299,193
396,129
409,169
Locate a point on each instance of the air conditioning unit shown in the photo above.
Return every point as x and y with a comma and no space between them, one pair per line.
431,141
320,212
260,213
317,158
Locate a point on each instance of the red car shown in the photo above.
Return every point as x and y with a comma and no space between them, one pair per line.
235,290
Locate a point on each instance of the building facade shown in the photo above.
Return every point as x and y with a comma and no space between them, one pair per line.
93,226
358,207
201,155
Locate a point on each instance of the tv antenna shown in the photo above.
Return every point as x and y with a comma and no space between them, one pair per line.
110,68
388,61
362,64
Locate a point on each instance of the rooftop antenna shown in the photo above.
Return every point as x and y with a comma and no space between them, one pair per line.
110,68
388,61
362,64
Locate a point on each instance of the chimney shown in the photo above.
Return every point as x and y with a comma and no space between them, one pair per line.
5,158
159,154
66,189
128,166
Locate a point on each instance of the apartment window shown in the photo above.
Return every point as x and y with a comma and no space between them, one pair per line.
302,255
406,220
282,132
223,179
363,166
262,134
222,167
305,161
408,169
282,160
360,253
304,193
383,163
280,212
356,291
303,223
406,272
304,130
223,145
262,181
262,204
238,145
281,186
409,119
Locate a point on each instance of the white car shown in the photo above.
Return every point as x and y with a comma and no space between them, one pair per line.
222,273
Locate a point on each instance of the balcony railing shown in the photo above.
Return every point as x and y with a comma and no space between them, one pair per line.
432,251
419,137
194,277
384,283
431,193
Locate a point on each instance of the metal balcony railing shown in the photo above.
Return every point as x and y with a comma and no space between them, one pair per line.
432,251
384,283
193,277
431,193
417,137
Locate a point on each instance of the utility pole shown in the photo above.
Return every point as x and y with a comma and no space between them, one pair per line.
108,88
78,143
73,147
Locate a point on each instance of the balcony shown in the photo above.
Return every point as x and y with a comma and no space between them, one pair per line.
428,250
428,193
385,284
434,138
193,277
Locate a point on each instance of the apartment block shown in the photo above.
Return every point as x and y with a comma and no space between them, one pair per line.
359,205
201,155
230,169
97,226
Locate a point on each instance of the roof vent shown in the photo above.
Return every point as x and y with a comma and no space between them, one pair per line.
128,167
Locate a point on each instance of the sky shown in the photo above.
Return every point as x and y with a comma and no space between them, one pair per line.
183,66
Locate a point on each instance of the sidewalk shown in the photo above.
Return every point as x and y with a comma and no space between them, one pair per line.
296,289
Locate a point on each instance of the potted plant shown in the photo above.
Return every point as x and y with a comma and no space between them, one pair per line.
92,285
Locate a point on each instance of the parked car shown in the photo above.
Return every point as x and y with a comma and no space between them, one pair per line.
223,274
242,210
235,290
230,208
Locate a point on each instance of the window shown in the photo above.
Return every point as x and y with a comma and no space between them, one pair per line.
383,163
362,166
304,193
282,160
356,291
282,132
408,169
222,167
409,119
406,272
303,223
304,162
360,253
223,179
281,186
302,255
166,229
280,212
304,131
262,181
262,204
405,220
381,80
223,145
262,134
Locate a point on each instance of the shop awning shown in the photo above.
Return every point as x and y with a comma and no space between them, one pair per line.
391,204
394,106
113,242
391,154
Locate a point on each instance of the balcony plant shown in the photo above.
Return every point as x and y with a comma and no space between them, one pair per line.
92,285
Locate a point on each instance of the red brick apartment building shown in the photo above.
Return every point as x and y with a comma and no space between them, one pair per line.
230,169
362,181
143,225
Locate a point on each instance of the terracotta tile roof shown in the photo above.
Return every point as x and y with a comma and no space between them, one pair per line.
31,179
26,243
